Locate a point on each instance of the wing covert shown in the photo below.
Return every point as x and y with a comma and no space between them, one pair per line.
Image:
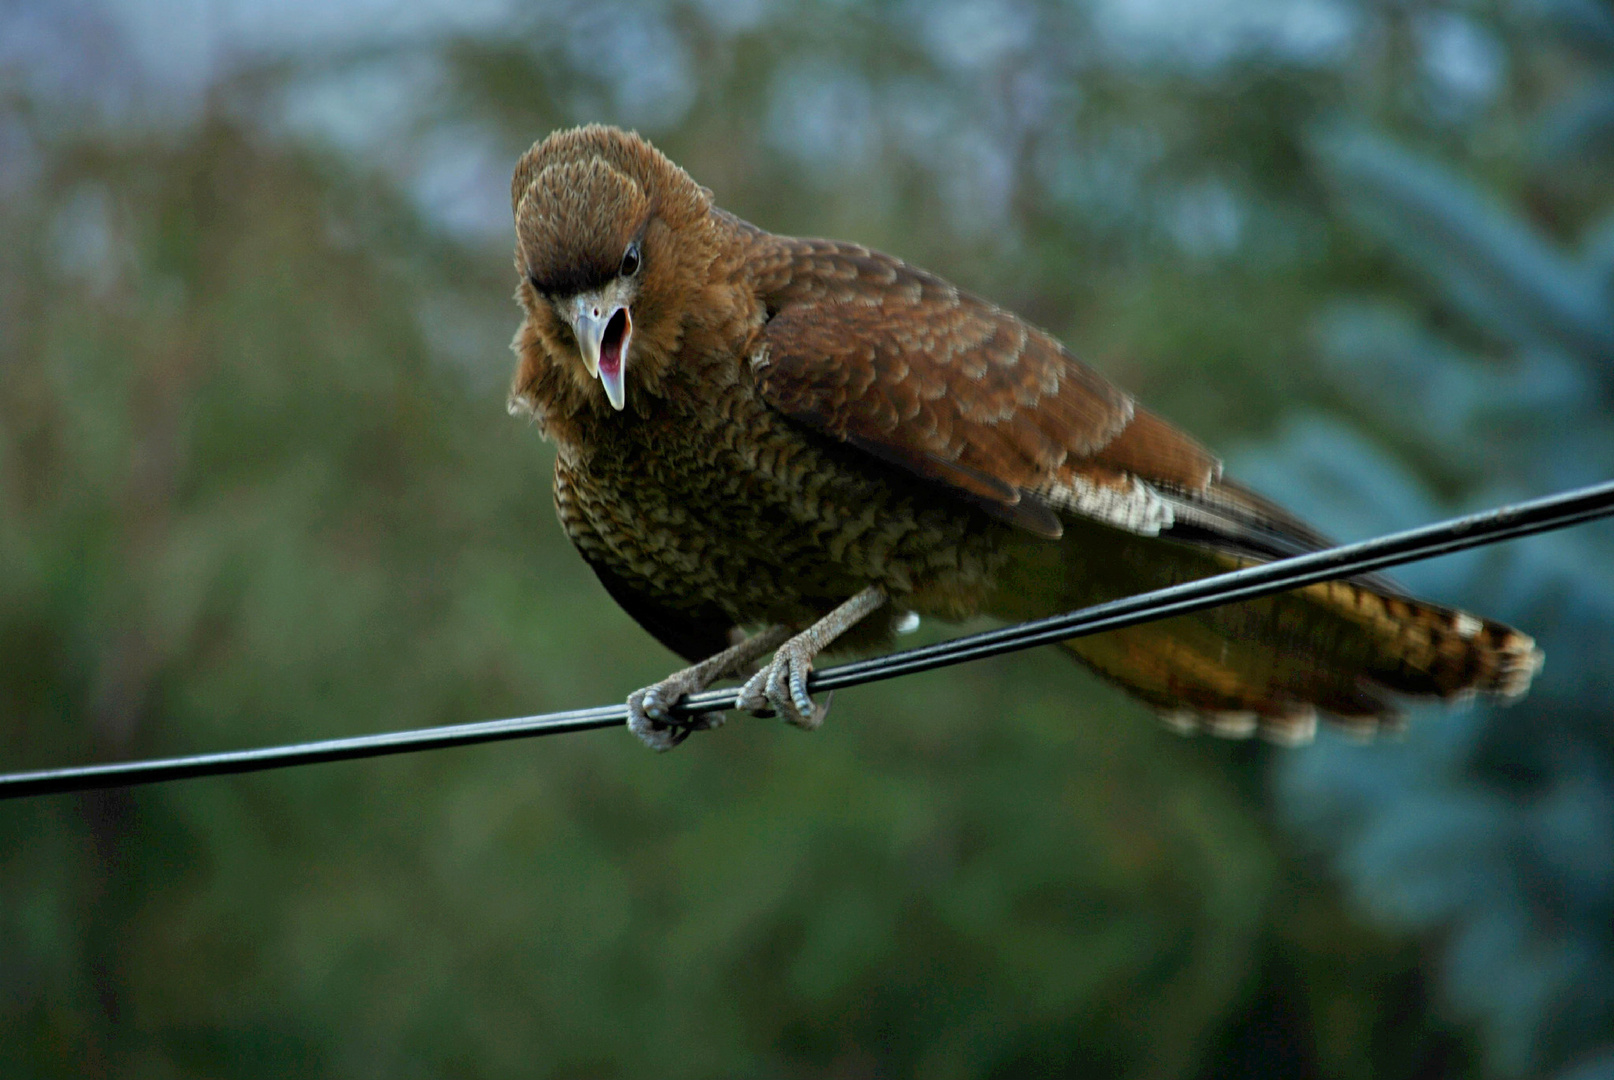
894,360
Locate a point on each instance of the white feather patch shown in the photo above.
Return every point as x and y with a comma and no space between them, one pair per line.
1135,506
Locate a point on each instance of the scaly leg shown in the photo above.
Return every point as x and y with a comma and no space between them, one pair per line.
650,710
781,687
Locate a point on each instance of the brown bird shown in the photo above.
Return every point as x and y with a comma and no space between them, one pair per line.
819,441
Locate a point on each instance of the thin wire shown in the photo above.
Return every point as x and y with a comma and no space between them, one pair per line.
1444,538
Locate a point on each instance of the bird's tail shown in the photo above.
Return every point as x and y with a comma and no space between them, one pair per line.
1338,649
1343,650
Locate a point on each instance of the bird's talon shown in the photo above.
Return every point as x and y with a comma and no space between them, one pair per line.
780,689
798,690
776,686
753,697
651,720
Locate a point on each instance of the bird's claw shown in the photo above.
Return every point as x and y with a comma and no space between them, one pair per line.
780,689
650,715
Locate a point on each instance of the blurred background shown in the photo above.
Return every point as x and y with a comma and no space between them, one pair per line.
257,484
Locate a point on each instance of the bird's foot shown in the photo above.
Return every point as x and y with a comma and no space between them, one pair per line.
780,688
650,715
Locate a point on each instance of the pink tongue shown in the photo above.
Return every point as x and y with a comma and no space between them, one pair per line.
611,347
616,333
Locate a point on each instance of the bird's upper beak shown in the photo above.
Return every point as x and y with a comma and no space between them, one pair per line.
603,328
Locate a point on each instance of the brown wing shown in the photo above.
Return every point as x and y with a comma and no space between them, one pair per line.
863,347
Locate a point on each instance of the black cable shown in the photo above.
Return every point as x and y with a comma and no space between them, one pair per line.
1444,538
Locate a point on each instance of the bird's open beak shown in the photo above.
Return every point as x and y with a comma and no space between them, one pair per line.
603,331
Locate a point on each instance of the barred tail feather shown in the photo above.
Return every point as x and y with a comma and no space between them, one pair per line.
1348,652
1340,650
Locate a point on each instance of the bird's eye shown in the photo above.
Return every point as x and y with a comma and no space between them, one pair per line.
630,260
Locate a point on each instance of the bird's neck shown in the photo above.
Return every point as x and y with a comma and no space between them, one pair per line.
671,394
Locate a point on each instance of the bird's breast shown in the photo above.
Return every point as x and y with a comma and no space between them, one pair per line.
723,501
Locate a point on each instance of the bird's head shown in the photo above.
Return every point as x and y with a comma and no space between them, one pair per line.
603,224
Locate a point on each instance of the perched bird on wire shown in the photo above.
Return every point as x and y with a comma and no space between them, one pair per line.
815,442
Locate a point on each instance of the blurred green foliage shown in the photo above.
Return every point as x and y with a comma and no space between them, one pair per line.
1492,833
257,484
